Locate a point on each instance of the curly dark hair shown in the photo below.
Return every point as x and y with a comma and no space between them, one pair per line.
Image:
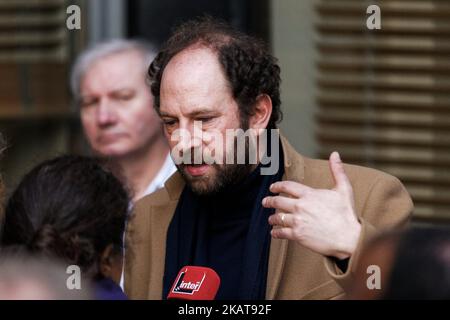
248,66
70,208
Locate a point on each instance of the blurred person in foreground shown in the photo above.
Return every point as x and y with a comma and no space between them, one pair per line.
287,228
73,209
108,82
27,277
413,264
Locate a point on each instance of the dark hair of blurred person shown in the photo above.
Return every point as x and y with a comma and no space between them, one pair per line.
421,269
74,209
414,264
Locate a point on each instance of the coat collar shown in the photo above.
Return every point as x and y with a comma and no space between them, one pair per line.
293,170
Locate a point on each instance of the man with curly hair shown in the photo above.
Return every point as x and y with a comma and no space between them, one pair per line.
291,233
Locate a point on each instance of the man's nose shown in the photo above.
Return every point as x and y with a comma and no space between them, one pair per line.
105,114
188,136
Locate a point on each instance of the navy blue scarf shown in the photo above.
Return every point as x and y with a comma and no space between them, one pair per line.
228,232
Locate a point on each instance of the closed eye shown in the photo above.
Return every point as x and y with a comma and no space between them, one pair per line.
123,95
86,102
204,119
169,122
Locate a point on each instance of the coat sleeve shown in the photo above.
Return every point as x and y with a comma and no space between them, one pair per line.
387,206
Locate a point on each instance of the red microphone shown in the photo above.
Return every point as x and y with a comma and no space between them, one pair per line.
195,283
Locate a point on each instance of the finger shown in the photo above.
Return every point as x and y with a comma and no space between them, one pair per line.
291,188
337,170
283,233
281,203
282,219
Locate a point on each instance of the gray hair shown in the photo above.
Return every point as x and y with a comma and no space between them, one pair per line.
102,50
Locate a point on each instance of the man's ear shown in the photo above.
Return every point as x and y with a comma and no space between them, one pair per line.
106,261
261,113
111,263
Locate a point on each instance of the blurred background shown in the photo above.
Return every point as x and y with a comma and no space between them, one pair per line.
380,97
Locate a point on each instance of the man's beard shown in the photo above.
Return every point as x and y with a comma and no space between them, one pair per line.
222,175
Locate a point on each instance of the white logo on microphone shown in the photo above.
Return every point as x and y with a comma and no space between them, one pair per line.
187,287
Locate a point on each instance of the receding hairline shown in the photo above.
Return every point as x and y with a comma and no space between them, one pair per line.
116,55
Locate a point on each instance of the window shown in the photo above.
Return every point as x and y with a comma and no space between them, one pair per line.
34,57
384,95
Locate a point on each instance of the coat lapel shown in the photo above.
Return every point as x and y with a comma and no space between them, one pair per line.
294,171
159,223
160,219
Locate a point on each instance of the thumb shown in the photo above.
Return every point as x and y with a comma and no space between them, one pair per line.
337,170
